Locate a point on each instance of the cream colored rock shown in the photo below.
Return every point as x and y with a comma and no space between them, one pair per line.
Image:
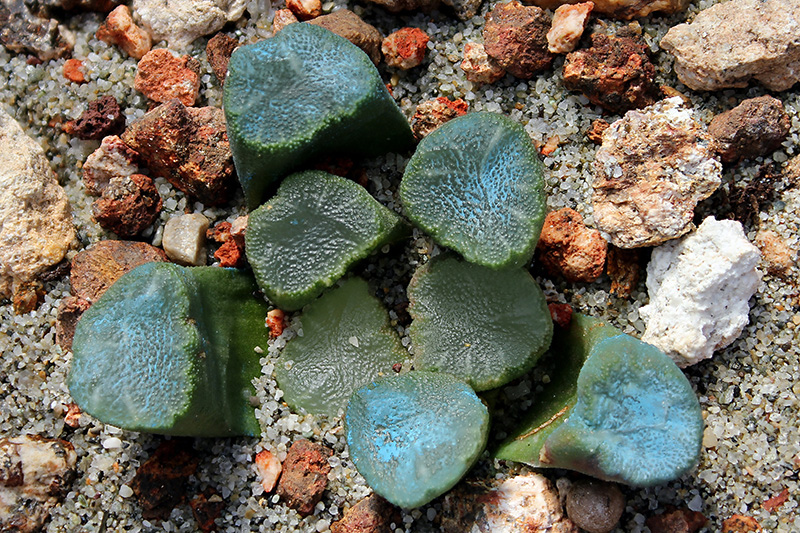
569,21
699,288
269,469
36,228
478,66
527,503
180,22
731,42
35,474
622,9
184,239
653,167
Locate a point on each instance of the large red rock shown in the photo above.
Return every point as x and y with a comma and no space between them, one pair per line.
515,36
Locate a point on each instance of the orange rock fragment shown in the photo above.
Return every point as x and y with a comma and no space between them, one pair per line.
119,29
275,322
269,469
73,70
776,501
740,524
405,48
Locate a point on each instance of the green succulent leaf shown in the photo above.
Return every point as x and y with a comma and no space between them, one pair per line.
169,349
475,185
616,408
414,436
305,238
306,91
484,326
347,342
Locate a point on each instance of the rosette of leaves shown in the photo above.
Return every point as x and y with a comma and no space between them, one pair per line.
414,436
475,185
484,326
615,408
305,92
347,342
305,238
170,349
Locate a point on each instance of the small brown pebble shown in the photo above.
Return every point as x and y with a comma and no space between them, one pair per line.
756,127
218,51
515,36
397,367
740,524
405,48
69,312
615,73
431,114
347,24
676,521
305,476
771,504
221,232
595,506
275,322
561,314
206,508
160,482
777,255
305,9
27,296
568,248
335,164
622,266
373,514
161,76
96,268
595,133
102,117
73,70
283,17
478,66
128,206
119,29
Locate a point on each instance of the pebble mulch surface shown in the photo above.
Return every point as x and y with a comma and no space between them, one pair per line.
748,391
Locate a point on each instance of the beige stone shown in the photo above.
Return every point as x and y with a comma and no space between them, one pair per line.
478,66
36,228
731,42
653,167
568,24
184,239
179,22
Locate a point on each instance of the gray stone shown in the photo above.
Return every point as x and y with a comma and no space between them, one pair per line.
22,31
731,42
653,167
595,506
35,219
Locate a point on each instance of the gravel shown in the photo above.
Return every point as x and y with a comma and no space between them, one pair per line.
749,391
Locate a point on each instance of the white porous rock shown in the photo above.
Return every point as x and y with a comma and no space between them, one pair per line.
699,288
184,239
653,167
526,502
731,42
180,22
36,228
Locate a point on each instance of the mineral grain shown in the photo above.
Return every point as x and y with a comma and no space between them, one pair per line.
179,22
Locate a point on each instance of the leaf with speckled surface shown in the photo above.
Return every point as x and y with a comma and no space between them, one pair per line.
305,92
169,349
485,326
616,408
414,436
475,185
306,237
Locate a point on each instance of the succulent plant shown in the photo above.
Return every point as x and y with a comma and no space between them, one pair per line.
484,326
475,185
347,342
306,91
306,237
616,408
414,436
170,349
